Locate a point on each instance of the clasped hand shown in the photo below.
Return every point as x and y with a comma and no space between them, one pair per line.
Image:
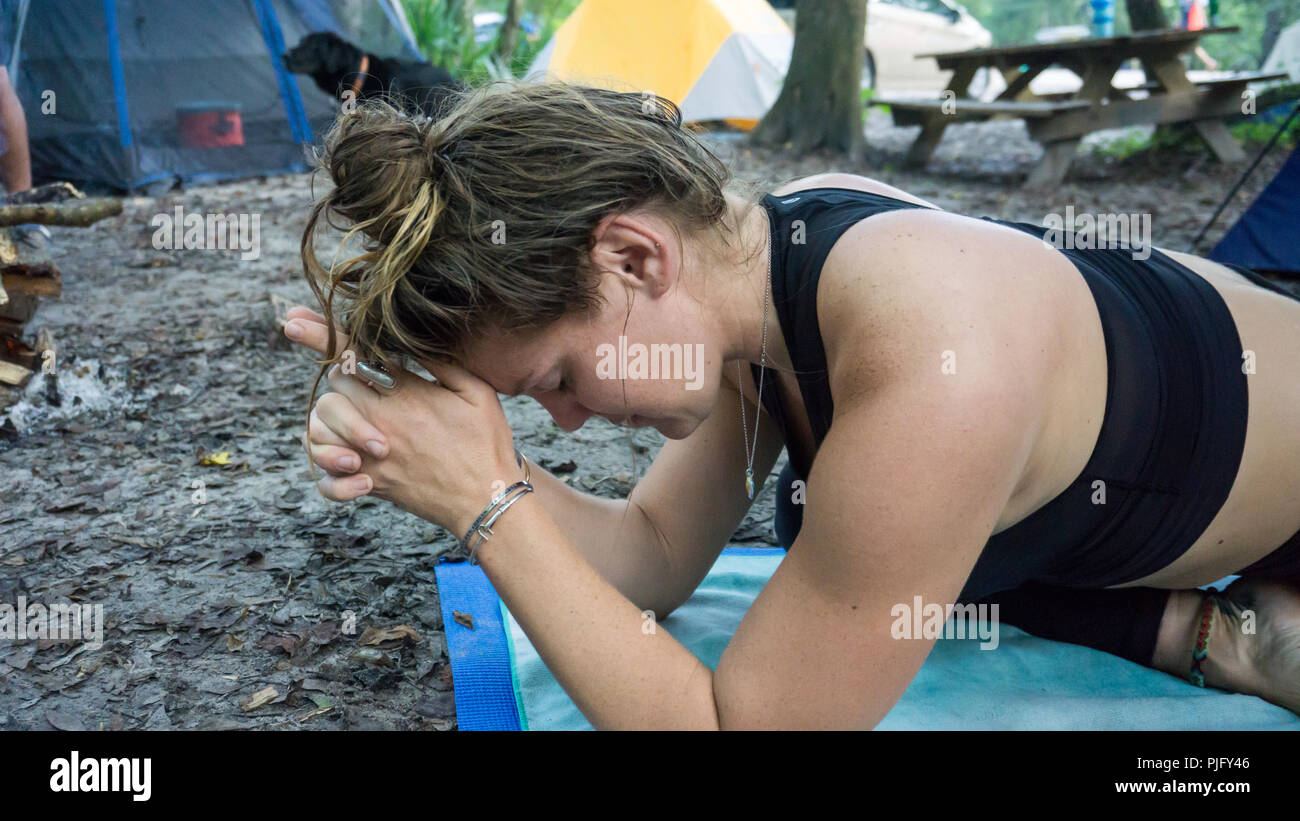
438,450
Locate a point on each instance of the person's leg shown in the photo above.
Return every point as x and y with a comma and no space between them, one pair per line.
1254,645
1124,622
1158,628
15,162
1254,640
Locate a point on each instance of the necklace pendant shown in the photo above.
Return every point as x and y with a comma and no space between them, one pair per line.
749,483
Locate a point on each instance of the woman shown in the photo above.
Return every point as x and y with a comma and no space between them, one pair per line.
1008,419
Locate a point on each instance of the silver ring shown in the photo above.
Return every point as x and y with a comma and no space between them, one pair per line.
376,377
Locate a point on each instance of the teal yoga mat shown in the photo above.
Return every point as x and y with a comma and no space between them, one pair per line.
1025,683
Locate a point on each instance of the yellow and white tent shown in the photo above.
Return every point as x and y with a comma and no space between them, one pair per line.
717,59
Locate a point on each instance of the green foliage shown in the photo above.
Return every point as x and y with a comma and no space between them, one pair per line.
867,94
1183,139
1125,145
444,36
1261,132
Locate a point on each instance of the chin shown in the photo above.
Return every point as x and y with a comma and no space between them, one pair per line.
676,428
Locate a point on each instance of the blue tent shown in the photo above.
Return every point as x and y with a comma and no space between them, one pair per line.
1267,237
130,93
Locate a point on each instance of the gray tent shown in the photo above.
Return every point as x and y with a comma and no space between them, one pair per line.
129,93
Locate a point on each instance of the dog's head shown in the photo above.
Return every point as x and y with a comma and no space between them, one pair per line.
322,52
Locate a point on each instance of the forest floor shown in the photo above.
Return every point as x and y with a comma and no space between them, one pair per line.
160,473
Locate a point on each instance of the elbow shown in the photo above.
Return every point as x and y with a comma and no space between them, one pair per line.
659,610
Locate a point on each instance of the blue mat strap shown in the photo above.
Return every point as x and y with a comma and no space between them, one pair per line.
482,669
482,659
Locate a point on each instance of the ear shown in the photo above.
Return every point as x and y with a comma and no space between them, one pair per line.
635,249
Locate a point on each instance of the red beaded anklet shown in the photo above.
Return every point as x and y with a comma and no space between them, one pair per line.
1197,675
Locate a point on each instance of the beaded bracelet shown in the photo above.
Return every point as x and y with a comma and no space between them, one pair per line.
485,530
1197,675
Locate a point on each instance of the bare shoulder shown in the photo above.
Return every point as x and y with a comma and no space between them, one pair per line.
935,296
854,181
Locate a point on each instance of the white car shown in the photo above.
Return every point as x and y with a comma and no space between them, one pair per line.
898,30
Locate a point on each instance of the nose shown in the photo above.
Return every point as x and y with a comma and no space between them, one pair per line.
568,413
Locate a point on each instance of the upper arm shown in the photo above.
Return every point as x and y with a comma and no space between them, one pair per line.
693,494
907,487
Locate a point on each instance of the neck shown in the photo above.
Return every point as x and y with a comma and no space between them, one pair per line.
739,304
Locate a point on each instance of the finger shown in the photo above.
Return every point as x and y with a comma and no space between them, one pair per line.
318,433
336,460
312,332
341,416
345,488
303,312
357,387
451,376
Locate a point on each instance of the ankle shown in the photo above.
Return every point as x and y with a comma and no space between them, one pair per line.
1228,664
1176,639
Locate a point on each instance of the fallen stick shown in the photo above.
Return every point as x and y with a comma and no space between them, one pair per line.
80,213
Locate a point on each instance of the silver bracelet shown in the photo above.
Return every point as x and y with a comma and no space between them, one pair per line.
492,503
496,500
484,530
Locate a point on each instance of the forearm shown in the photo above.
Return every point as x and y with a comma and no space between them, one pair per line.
622,671
615,537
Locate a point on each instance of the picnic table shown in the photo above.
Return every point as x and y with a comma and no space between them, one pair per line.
1060,121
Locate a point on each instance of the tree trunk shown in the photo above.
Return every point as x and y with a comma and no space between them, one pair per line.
1146,15
509,31
820,104
467,17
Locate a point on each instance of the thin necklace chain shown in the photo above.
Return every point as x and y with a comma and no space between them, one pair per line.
762,371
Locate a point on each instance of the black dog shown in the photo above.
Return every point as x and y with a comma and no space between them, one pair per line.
337,66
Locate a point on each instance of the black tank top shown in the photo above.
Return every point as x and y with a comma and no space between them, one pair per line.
1175,420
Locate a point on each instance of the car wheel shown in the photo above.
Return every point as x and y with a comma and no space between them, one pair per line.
868,71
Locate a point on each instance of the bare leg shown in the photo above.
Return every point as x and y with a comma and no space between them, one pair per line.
1157,628
1264,663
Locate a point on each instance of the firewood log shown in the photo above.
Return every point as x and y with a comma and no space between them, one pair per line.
80,213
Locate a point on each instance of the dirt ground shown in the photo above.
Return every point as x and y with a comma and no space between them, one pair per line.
219,581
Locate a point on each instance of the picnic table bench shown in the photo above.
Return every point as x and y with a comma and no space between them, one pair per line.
1060,121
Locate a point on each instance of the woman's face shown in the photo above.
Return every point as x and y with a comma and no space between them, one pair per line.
655,366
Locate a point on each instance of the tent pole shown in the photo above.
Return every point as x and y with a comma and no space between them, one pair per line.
18,40
1240,182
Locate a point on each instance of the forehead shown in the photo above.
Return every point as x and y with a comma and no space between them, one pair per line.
505,358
